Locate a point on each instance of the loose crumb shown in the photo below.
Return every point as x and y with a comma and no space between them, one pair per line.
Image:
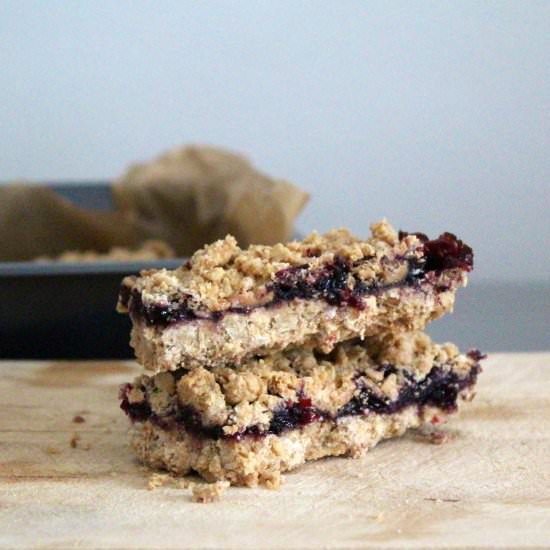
160,480
75,443
208,492
436,436
78,419
157,480
469,396
439,438
272,480
52,451
184,483
379,517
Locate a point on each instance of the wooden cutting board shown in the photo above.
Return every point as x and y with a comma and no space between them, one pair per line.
488,487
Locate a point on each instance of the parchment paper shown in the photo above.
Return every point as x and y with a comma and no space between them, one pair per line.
35,221
193,195
186,198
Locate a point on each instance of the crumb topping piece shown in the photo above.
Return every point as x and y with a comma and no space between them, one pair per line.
208,492
222,275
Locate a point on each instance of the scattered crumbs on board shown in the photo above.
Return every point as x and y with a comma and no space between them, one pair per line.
52,451
208,492
200,491
76,443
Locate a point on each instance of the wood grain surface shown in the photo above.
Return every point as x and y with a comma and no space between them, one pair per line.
487,487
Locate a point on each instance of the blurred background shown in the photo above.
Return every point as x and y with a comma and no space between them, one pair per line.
435,115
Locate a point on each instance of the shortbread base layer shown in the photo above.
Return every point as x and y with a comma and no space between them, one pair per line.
252,461
310,324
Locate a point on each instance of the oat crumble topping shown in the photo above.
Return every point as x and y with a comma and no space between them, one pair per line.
222,275
248,394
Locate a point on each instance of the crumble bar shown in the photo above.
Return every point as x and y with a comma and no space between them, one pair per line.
226,304
250,423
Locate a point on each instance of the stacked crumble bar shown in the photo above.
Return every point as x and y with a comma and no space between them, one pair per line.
261,359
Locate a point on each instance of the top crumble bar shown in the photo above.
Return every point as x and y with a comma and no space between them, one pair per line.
226,304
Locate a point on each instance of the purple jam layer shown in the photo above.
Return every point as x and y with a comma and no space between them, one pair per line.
439,389
445,252
138,412
330,283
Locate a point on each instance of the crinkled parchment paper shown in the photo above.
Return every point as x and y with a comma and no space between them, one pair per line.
195,195
187,197
35,221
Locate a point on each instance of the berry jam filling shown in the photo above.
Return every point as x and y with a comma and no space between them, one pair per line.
138,412
161,314
330,284
295,415
448,252
440,389
191,419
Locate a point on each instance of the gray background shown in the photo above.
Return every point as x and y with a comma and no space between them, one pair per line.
433,114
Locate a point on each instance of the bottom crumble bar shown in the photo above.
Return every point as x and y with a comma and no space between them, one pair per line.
250,423
254,461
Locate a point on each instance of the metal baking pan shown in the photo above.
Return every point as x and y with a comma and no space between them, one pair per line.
67,310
